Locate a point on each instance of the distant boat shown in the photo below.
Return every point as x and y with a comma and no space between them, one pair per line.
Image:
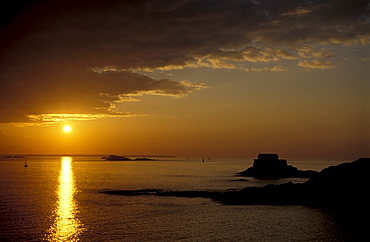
25,163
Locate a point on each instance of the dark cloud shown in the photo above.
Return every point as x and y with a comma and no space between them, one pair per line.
49,49
32,95
160,33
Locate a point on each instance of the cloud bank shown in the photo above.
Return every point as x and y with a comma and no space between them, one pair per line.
52,52
47,97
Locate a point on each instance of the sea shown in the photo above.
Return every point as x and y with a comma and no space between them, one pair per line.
58,198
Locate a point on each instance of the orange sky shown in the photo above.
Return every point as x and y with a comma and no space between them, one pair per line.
186,78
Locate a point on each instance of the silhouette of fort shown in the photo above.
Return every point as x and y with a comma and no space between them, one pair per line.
269,166
269,161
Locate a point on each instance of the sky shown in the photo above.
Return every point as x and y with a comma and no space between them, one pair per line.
188,78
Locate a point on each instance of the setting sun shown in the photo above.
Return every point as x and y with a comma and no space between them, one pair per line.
67,128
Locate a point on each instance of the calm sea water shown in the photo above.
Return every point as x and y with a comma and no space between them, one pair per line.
58,199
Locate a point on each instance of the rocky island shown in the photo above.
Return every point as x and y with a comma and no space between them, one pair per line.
269,166
124,158
116,158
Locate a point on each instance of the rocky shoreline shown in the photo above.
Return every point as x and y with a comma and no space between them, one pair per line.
343,187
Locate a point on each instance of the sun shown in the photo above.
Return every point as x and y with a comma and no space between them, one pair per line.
67,128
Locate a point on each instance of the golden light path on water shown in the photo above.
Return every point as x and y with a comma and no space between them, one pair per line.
66,226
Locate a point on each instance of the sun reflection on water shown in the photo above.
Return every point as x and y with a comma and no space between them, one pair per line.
66,226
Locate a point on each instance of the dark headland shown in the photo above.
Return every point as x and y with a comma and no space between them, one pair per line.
343,187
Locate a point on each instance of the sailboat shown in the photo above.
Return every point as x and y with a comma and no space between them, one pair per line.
25,163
